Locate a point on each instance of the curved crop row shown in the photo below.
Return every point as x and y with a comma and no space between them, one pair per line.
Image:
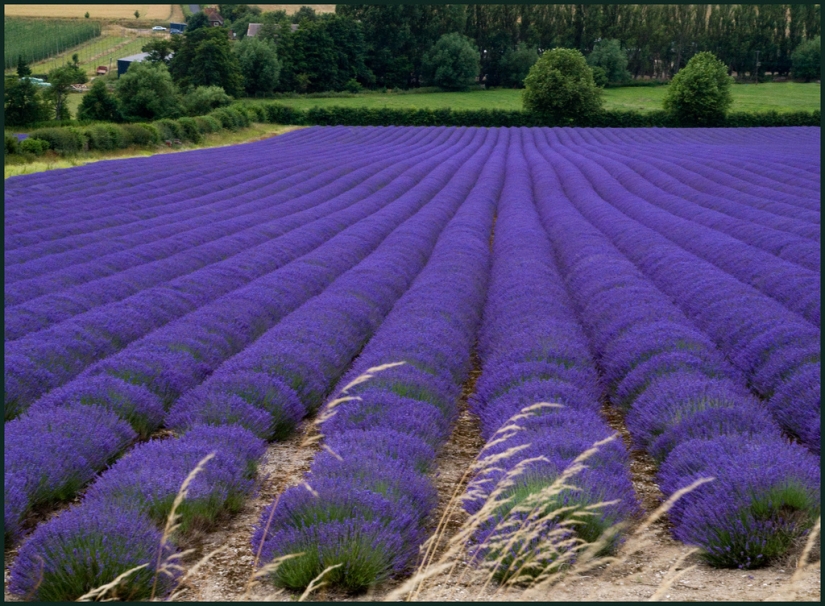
370,499
178,357
683,399
132,271
794,287
533,350
777,352
47,359
222,193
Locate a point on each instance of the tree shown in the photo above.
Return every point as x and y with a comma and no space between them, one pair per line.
99,104
137,14
608,55
61,80
146,92
259,65
196,21
23,104
22,67
305,13
87,14
203,57
699,94
560,87
806,59
516,64
452,63
203,99
159,50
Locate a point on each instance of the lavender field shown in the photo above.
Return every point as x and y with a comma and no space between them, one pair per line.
161,309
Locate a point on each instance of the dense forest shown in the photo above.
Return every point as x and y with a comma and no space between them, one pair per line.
384,45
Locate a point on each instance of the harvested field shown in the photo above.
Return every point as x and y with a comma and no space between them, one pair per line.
96,11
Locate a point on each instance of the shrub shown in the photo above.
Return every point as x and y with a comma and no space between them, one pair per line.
353,86
282,114
600,76
203,99
806,59
142,134
99,104
104,137
208,124
560,88
516,64
190,129
67,140
699,94
608,55
169,129
37,147
452,63
257,112
11,143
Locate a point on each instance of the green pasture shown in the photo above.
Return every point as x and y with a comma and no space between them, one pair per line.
778,96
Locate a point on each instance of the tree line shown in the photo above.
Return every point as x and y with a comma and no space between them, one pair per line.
387,45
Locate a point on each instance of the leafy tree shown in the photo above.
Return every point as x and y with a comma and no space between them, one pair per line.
560,87
699,94
99,104
61,80
23,68
807,60
23,104
137,14
196,21
259,65
86,15
608,55
146,92
203,57
203,99
305,13
516,64
159,50
600,76
230,12
452,63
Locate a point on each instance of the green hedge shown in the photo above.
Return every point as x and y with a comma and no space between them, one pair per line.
362,116
37,147
11,144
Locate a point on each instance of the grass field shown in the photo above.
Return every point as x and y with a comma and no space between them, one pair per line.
294,8
96,11
782,97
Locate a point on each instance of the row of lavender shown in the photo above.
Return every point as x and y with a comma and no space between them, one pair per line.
141,382
267,393
268,387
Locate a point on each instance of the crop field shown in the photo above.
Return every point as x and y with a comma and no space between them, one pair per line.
294,8
354,297
96,11
39,39
777,96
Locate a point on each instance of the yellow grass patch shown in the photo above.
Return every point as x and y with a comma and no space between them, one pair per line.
96,11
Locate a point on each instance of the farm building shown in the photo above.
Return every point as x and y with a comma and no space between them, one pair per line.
252,30
215,19
124,63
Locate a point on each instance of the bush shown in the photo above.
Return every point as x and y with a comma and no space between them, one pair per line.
699,94
11,143
257,112
37,147
99,104
600,77
141,134
452,63
353,86
190,129
608,55
516,64
283,114
806,59
105,137
169,129
204,99
231,118
560,89
66,140
208,124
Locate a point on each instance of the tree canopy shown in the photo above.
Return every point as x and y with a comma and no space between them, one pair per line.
699,95
560,87
452,63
